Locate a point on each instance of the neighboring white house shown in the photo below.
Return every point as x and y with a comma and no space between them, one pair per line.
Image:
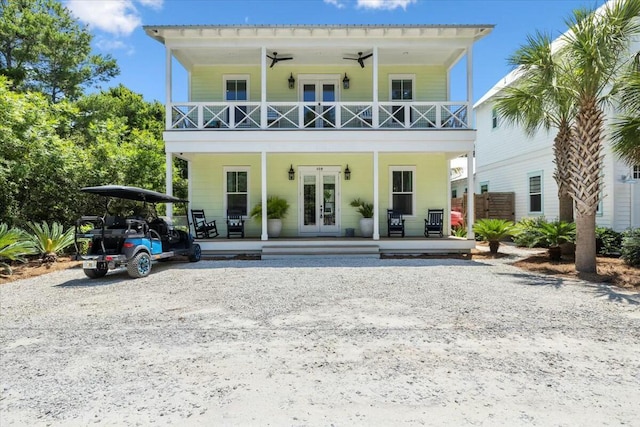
320,115
507,160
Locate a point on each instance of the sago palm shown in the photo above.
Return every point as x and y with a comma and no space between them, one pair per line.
538,99
594,49
14,245
50,241
493,231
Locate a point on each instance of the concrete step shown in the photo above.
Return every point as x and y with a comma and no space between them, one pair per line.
281,251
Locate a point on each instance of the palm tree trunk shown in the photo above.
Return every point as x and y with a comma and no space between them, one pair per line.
561,149
586,163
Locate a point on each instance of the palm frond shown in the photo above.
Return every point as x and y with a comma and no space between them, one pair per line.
51,240
14,244
625,138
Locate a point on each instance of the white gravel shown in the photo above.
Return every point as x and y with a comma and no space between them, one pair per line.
319,342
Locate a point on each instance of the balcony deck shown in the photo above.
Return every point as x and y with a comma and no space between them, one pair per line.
244,115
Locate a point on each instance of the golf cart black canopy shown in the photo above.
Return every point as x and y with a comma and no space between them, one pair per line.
132,193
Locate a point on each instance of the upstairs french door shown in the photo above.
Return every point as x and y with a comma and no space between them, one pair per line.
319,195
319,97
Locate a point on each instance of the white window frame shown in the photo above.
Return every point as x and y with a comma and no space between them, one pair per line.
529,193
411,77
411,169
227,77
495,120
227,169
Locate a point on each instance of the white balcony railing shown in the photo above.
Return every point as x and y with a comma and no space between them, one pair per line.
313,115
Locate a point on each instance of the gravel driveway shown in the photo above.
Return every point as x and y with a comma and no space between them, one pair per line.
319,342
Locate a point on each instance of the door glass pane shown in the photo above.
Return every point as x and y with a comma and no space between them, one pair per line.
329,199
309,93
309,202
328,111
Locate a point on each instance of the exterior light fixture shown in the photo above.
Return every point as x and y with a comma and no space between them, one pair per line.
292,173
345,81
347,173
292,81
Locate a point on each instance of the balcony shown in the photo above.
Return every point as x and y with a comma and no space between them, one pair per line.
244,115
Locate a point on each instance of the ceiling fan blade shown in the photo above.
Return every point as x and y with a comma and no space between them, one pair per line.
361,62
353,59
284,59
368,56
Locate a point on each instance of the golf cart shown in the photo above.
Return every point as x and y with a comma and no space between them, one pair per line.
133,242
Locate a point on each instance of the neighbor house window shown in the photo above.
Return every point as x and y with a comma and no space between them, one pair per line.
454,193
535,192
494,118
403,189
484,187
236,190
636,172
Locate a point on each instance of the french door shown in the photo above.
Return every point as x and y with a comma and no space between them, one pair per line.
319,97
319,195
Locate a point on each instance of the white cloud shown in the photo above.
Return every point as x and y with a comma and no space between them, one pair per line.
108,44
336,3
384,4
120,17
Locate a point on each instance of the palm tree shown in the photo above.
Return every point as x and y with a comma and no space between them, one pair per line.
626,128
594,50
538,99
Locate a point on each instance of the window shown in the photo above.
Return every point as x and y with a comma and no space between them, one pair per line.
454,193
484,187
636,172
535,193
402,190
236,190
494,118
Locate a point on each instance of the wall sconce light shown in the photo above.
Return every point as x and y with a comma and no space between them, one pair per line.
345,81
292,173
347,173
292,81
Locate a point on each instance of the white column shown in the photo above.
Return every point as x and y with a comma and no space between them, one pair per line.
469,83
169,182
470,196
375,118
449,196
263,178
376,198
167,107
263,87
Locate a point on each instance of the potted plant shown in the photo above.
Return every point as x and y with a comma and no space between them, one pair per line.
366,222
277,209
493,230
556,233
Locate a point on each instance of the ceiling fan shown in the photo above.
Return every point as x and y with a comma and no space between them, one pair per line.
360,58
274,59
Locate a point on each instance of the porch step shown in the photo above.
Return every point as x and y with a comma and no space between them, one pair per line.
320,250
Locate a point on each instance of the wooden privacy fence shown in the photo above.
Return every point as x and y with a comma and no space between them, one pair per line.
488,205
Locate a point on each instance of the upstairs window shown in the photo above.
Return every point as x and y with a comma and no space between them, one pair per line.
237,190
636,172
484,187
494,118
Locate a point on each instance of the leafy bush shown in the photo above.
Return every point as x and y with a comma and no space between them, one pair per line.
459,231
493,230
630,251
608,241
14,245
50,241
557,232
365,209
528,233
277,208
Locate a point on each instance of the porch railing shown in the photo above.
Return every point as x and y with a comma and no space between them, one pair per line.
244,115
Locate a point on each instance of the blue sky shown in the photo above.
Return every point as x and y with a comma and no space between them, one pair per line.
117,27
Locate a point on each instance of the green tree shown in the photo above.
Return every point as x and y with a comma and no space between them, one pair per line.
43,48
594,49
538,99
626,127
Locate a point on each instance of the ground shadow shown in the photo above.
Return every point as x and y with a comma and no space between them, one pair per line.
611,294
536,280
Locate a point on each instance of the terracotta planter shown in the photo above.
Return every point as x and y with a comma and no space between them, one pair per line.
366,227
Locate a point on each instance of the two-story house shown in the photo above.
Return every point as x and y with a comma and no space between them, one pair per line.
321,115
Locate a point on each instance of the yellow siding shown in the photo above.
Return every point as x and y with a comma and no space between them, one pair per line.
207,82
207,185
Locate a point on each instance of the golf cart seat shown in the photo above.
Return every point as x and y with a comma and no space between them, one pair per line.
204,229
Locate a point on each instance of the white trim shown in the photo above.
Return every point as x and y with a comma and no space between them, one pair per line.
226,169
530,175
414,180
318,171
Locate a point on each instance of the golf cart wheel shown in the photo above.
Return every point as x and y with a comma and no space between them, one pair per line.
140,265
196,253
95,273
